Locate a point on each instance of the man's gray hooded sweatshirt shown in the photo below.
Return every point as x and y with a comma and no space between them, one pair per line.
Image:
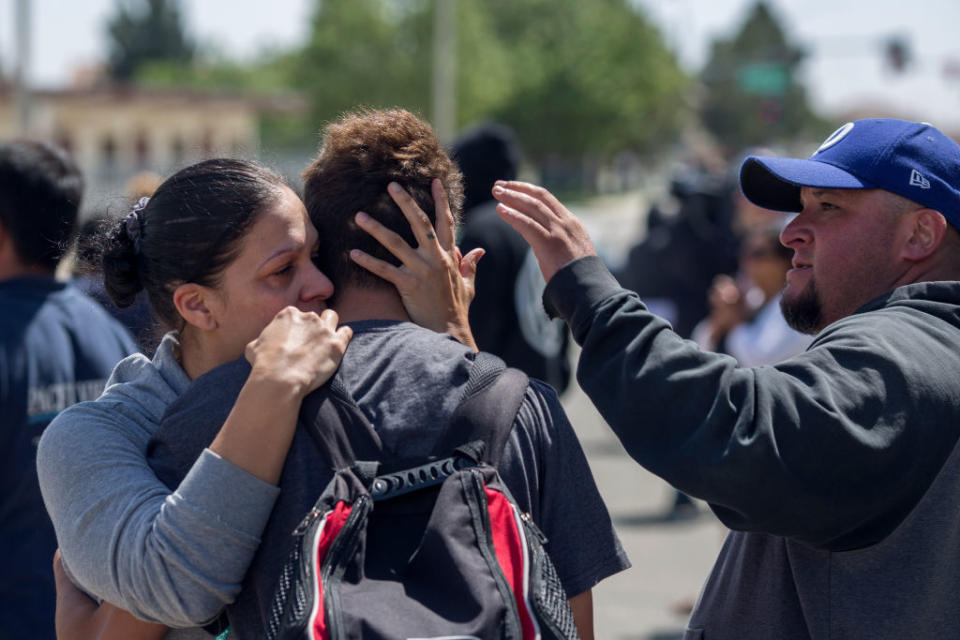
837,469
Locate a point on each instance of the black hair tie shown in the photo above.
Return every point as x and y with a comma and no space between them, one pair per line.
133,223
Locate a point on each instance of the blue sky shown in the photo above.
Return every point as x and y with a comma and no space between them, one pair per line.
844,68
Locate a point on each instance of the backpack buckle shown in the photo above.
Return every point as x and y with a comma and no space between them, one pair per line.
398,483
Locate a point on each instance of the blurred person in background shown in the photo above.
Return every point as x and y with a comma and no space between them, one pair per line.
689,240
745,319
57,347
506,316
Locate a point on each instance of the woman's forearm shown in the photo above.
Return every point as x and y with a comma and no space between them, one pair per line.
242,441
176,558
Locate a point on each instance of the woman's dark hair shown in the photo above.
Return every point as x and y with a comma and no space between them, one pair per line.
189,231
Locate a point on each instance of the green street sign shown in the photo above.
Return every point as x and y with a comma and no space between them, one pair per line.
763,78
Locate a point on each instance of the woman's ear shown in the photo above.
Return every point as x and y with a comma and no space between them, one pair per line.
193,302
927,230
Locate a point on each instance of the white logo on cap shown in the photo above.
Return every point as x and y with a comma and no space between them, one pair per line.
917,180
835,137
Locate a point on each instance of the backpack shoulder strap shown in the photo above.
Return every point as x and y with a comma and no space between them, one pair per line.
338,426
487,409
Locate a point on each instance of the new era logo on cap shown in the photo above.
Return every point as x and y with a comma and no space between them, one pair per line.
917,180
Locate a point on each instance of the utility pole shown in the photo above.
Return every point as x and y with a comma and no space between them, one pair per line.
22,75
444,68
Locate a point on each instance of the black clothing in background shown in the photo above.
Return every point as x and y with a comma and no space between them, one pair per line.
507,315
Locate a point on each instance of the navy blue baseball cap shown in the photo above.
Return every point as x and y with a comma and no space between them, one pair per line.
910,159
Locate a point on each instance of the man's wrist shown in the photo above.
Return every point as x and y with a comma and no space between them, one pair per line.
584,278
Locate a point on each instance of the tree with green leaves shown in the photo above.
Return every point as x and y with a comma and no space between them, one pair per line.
753,94
589,77
146,31
365,52
572,78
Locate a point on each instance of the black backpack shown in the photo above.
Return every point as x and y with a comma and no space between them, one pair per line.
419,549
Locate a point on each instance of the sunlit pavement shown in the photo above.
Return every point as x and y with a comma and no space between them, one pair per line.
671,558
614,222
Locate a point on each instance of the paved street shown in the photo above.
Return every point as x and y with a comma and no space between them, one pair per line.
670,559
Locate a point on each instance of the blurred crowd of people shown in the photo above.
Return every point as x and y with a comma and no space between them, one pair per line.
712,264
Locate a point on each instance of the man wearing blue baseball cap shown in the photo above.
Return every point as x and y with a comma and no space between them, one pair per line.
838,469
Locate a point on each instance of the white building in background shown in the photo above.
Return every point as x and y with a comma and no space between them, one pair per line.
115,133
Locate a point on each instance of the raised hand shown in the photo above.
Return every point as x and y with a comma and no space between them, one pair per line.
555,235
436,283
728,306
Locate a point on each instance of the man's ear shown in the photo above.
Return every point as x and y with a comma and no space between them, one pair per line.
193,302
927,230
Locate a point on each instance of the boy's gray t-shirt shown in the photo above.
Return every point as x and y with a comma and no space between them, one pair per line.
408,380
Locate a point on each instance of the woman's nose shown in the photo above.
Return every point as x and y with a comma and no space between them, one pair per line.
318,285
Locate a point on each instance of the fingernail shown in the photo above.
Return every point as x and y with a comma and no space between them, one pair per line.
354,253
362,217
498,189
393,186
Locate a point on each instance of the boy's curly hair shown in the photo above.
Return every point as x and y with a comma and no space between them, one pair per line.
360,154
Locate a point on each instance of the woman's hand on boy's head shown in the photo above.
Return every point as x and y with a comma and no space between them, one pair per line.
435,282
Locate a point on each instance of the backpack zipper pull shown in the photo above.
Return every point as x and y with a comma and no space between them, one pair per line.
308,520
532,526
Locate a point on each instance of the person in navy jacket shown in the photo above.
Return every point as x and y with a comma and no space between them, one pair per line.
57,347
